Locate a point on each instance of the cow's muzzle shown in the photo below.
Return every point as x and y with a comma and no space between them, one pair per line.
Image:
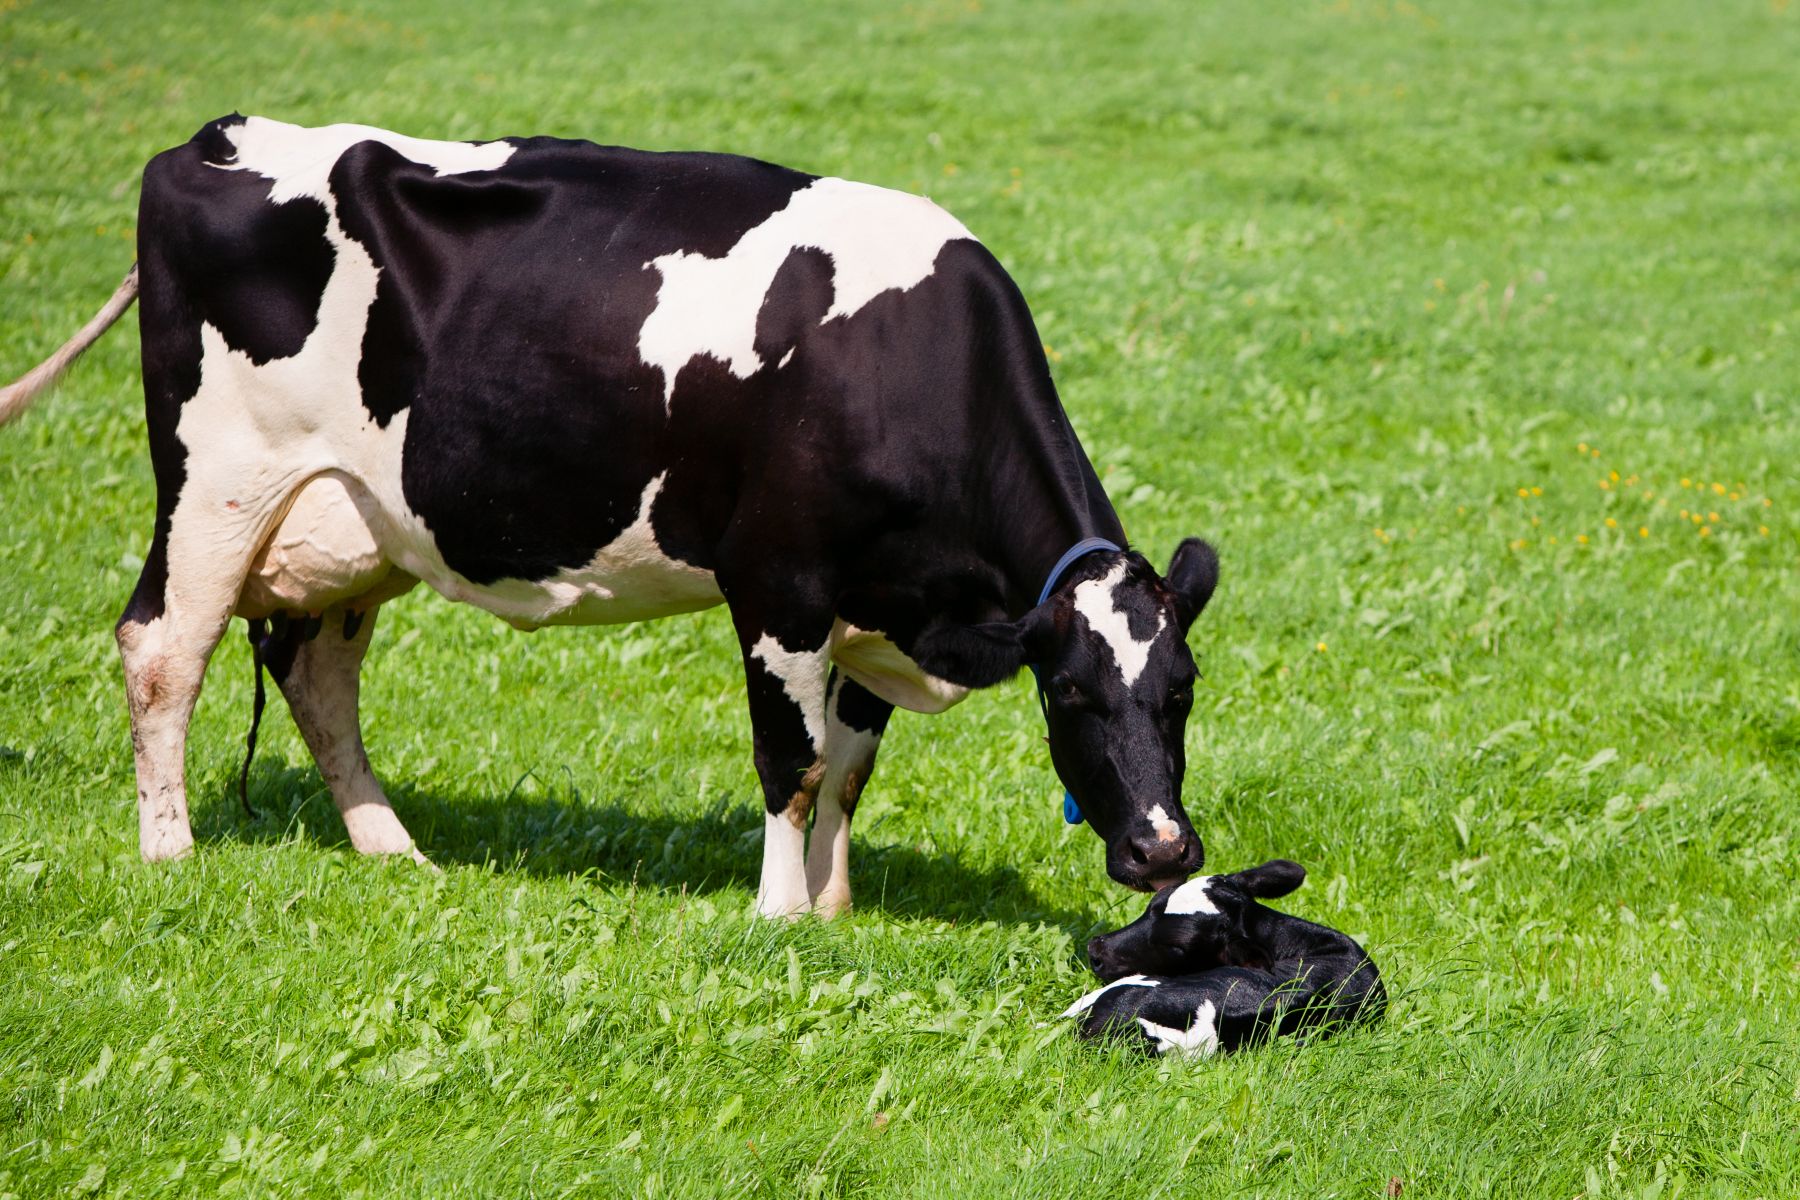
1147,862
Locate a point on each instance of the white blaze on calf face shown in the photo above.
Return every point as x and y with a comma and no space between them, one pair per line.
1088,1001
1196,1041
1192,898
878,240
1094,601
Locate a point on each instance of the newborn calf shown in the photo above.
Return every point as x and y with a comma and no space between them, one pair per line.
1208,968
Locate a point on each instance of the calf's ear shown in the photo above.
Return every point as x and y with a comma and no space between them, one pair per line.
981,655
1193,574
1277,877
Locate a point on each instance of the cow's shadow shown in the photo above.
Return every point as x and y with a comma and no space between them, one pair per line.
559,833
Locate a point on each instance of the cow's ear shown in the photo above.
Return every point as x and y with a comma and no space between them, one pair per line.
1193,574
978,656
1277,877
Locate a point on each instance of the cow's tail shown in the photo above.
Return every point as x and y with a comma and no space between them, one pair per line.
16,397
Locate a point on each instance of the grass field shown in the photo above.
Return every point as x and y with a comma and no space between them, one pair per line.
1469,334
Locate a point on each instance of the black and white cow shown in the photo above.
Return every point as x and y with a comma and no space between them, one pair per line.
576,384
1207,968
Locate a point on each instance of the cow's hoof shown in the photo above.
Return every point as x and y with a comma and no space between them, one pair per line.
830,905
777,909
166,847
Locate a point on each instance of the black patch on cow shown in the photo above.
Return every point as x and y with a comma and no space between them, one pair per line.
431,236
254,270
861,709
798,299
507,320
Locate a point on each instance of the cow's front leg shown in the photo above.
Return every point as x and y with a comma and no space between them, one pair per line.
853,727
786,685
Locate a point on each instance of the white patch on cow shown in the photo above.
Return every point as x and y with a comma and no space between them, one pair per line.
1196,1041
782,892
1094,600
1192,898
1088,1001
1160,824
257,434
803,677
629,579
878,240
871,658
299,160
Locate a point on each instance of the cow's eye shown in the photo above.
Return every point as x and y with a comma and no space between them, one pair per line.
1182,698
1067,690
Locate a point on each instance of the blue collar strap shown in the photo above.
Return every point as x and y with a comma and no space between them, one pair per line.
1086,546
1080,549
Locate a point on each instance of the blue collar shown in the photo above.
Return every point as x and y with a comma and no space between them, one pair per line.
1086,546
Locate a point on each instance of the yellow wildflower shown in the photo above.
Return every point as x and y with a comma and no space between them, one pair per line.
1719,488
1582,538
1643,531
1611,523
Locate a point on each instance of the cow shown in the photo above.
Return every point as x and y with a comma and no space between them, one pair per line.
1207,968
580,384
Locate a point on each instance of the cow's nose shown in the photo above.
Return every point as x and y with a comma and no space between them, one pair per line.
1163,861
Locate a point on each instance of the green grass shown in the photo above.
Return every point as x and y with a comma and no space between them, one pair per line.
1328,283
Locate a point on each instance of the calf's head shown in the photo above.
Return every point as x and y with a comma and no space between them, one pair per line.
1195,926
1110,649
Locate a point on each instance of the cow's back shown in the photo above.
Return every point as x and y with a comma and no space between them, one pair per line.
550,362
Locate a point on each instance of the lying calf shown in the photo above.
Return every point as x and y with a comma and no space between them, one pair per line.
1207,968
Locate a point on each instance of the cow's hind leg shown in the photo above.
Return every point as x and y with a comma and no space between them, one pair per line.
166,636
853,728
318,666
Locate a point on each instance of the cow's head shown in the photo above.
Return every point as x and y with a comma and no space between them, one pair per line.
1195,926
1110,648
